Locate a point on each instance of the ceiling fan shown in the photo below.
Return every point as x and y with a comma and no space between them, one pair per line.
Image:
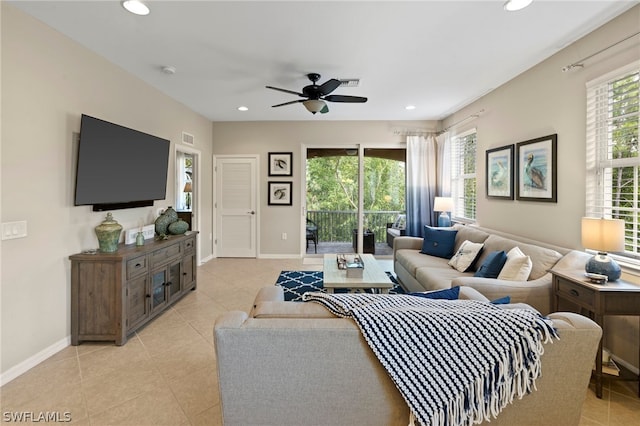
317,95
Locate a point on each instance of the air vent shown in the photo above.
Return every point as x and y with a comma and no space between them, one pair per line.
187,138
349,82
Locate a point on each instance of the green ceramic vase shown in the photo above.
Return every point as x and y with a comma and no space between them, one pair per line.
178,227
108,233
163,221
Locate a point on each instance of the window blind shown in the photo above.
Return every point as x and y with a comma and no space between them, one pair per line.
612,160
463,176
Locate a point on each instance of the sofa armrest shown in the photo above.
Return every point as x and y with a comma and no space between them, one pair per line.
273,293
536,293
409,243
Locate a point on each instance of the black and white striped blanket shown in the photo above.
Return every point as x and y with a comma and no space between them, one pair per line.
455,362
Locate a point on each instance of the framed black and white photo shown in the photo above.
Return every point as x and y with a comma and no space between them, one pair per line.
499,176
537,169
280,194
280,164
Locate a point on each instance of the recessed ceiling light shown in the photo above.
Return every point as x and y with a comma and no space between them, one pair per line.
514,5
136,7
243,108
410,107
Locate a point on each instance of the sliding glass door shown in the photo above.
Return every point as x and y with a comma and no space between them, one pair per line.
352,194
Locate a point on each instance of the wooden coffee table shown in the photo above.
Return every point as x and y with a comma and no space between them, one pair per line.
373,277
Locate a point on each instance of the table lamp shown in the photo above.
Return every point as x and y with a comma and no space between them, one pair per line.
443,205
187,191
603,235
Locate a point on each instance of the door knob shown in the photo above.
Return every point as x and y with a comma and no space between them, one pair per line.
252,212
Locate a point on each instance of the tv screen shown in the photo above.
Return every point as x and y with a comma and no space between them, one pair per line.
119,167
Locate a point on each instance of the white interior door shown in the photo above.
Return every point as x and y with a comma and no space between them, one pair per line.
236,201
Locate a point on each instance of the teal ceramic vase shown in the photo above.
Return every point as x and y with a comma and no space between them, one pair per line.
178,227
108,233
164,220
162,223
171,214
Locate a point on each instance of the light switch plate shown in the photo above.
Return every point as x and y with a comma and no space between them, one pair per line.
12,230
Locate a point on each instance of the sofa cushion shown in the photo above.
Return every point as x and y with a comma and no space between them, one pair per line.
433,278
542,258
452,293
468,233
466,255
439,241
411,260
518,266
492,265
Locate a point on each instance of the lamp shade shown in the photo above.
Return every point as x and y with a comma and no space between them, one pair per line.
187,187
603,235
443,204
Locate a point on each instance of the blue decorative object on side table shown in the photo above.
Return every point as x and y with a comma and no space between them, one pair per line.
603,235
443,205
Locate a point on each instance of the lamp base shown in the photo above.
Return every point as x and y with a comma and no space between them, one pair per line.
443,220
603,265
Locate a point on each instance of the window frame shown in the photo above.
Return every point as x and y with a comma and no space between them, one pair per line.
599,198
459,177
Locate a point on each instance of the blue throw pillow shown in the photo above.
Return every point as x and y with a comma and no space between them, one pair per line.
492,265
452,293
439,242
502,301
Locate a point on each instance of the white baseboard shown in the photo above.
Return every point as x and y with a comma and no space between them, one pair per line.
206,259
31,362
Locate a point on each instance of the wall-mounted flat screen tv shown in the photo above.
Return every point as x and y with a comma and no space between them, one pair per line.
119,167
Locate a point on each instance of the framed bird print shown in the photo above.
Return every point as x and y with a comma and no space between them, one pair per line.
280,164
500,173
280,194
537,169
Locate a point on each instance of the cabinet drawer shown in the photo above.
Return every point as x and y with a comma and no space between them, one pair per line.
165,254
189,244
136,266
577,293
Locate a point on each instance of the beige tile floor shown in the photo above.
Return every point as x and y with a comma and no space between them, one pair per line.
166,373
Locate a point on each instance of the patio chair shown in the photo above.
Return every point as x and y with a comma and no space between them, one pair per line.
312,234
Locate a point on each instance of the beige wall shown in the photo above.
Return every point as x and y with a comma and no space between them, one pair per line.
264,137
48,81
543,101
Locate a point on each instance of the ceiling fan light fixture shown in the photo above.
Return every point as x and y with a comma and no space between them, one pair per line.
136,7
515,5
314,105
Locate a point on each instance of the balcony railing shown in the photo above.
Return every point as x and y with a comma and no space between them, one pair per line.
338,225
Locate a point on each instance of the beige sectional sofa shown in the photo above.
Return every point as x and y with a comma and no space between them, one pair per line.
421,272
293,363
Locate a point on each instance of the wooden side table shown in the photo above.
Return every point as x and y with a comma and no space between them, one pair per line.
614,298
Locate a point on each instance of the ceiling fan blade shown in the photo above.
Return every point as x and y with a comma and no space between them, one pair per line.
288,103
285,91
325,109
329,86
345,98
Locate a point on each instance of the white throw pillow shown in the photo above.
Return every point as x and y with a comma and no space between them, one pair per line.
466,255
518,266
